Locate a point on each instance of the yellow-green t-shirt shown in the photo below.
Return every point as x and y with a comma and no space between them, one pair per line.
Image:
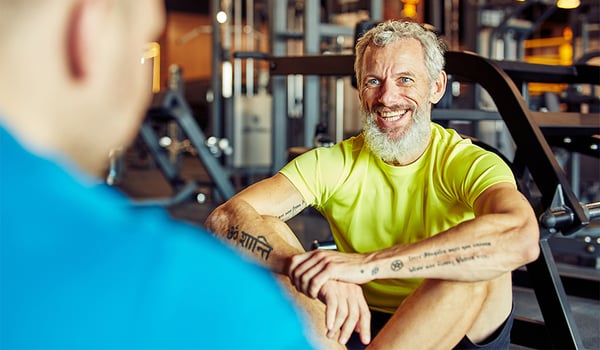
371,205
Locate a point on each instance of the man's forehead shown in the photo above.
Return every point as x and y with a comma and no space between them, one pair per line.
402,43
406,50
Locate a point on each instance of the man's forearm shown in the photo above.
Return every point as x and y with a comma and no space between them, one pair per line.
477,250
266,239
480,249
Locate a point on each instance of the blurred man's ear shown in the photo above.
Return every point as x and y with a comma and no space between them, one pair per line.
84,29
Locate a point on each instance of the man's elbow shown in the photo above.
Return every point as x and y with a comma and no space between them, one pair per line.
218,220
528,241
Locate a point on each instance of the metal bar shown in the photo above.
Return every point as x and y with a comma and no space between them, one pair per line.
546,171
568,123
250,41
278,23
312,86
159,155
325,30
339,109
237,46
376,10
332,30
552,300
182,114
324,65
217,103
557,217
544,73
517,71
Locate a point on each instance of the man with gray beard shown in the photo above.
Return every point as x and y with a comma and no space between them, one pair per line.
393,150
428,226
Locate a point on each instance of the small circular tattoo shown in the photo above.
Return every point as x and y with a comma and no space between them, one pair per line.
397,265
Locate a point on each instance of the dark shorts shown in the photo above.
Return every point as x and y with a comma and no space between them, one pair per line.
500,339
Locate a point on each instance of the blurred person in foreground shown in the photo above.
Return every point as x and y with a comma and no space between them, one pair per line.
81,266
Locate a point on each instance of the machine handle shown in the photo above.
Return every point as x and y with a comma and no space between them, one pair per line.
563,217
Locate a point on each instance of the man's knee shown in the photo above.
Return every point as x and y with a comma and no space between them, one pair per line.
496,307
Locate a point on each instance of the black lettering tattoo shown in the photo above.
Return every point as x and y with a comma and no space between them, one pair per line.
374,271
290,213
462,259
397,265
434,253
233,232
247,241
453,259
415,268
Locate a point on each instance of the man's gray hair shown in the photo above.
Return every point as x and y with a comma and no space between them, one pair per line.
394,30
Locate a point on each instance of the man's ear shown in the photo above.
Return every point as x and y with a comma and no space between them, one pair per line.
83,32
438,88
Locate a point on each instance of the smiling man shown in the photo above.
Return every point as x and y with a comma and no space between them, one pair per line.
428,226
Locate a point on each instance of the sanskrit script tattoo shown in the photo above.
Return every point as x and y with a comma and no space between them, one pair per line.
290,213
249,242
455,255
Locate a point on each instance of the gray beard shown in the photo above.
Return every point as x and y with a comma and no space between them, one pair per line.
400,150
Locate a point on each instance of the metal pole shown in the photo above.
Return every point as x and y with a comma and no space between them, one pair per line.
217,103
312,20
227,76
277,24
376,10
250,38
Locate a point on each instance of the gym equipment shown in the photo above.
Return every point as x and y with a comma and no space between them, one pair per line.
170,105
538,173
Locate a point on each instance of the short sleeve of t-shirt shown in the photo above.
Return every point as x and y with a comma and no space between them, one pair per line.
317,173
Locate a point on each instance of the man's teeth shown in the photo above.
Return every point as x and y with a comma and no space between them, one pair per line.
392,116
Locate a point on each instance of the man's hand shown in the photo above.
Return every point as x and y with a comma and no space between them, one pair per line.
310,271
346,311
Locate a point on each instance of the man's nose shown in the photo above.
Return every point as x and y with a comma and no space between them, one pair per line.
388,93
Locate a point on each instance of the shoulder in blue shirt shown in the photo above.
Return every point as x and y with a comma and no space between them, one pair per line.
81,267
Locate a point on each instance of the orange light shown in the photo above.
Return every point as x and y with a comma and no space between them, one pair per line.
409,8
567,4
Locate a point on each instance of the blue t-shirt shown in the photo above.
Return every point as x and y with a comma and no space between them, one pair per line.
82,267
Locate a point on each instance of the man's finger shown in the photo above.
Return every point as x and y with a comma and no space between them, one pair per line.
330,312
364,323
349,325
340,317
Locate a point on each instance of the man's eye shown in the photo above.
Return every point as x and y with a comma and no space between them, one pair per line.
372,81
405,80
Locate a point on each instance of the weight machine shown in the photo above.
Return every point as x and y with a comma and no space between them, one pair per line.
170,106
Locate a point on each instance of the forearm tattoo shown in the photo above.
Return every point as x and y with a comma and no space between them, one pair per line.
374,271
426,263
255,244
290,213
